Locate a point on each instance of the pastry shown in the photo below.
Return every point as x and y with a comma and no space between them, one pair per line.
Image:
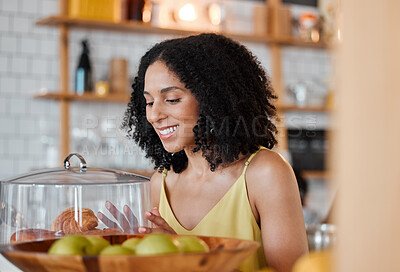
33,234
66,222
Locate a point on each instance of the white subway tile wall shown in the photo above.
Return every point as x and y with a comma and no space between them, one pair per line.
29,128
9,6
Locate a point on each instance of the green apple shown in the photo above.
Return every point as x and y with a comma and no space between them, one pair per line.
71,245
131,243
157,243
192,244
98,243
116,250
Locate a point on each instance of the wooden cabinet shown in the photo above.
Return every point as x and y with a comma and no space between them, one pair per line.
65,95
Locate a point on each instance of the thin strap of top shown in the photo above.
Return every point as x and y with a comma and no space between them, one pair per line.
250,158
164,173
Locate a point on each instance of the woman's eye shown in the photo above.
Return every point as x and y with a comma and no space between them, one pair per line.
173,101
149,103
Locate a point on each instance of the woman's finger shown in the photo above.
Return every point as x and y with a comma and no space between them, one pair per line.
155,211
158,221
118,216
131,217
146,230
109,223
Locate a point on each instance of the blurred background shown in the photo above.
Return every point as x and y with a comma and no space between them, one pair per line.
45,114
50,106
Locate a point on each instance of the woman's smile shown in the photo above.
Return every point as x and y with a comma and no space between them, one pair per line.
171,109
167,132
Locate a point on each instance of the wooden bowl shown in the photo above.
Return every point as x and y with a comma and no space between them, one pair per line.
225,255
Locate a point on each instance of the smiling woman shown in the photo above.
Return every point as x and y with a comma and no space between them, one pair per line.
170,108
202,110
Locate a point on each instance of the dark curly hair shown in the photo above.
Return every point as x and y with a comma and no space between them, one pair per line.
236,114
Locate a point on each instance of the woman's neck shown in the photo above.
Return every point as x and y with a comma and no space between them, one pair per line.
197,164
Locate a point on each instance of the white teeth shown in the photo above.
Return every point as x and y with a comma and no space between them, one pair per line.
168,130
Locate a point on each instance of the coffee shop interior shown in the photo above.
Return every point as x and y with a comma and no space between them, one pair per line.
330,63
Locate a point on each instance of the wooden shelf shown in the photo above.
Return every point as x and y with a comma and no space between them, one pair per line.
313,174
64,24
137,27
117,98
287,108
124,98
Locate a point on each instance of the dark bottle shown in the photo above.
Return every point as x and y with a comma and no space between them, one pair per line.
83,76
136,10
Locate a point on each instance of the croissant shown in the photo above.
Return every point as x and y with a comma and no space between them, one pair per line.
66,223
33,234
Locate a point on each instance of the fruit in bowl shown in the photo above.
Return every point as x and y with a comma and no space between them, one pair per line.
225,255
151,244
116,250
131,243
157,243
192,244
72,245
98,243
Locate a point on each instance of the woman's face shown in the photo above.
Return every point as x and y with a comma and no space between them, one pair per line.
171,108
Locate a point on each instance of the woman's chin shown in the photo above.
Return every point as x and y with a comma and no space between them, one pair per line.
172,148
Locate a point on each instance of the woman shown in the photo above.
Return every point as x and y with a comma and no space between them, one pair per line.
201,108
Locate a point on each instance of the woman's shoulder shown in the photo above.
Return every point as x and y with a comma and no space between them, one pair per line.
268,168
159,176
155,184
156,176
268,159
156,181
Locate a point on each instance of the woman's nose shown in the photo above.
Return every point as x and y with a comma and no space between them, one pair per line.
155,113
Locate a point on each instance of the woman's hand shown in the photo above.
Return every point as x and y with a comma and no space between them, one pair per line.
127,221
160,225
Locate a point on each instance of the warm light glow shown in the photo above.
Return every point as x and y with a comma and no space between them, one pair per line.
339,35
187,12
101,91
146,14
101,88
215,14
315,35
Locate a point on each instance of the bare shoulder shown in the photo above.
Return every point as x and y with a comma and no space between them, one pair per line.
269,168
270,178
155,184
156,178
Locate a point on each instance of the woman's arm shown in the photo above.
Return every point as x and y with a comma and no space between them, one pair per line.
273,191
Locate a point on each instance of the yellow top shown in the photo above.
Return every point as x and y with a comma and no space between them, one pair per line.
231,217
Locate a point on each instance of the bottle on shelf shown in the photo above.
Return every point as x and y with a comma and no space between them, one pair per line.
83,75
136,10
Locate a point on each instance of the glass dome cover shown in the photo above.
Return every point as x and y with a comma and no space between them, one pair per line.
76,175
38,204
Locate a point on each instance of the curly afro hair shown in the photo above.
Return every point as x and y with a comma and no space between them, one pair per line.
236,114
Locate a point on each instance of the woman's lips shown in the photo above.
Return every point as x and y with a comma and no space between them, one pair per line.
166,132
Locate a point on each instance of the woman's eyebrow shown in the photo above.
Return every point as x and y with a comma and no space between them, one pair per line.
167,89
